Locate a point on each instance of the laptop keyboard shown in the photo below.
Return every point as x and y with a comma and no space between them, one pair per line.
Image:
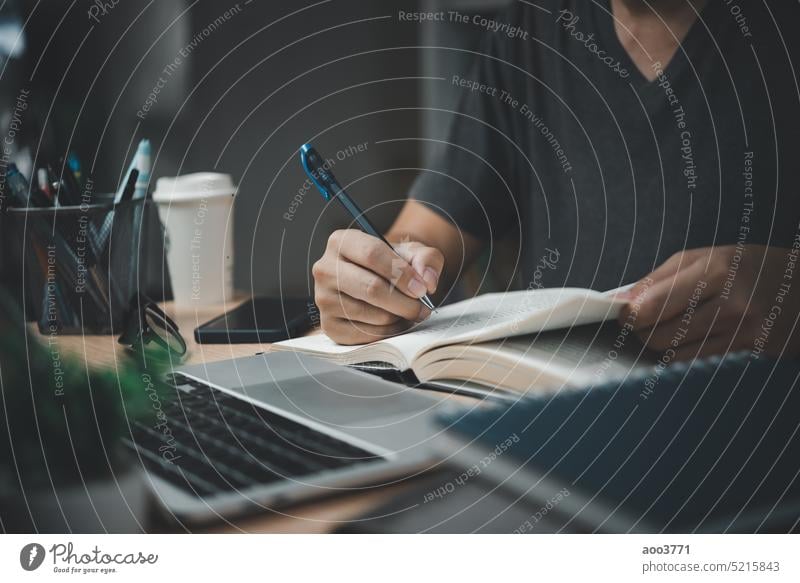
210,442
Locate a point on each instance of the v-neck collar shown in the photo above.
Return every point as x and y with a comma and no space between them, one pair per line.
604,23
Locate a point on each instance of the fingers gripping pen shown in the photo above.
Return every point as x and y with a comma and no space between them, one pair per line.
322,177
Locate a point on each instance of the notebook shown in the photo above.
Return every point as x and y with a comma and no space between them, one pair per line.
495,340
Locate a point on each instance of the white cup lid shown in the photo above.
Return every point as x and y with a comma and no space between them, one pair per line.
193,186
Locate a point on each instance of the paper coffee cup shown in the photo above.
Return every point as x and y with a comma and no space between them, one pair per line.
197,212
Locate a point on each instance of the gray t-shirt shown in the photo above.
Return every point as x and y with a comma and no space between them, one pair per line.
602,174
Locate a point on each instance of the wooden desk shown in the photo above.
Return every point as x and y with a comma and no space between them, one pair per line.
105,351
314,517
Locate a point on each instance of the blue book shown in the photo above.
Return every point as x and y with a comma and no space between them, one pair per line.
711,447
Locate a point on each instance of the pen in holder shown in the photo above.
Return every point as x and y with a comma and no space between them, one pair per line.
80,264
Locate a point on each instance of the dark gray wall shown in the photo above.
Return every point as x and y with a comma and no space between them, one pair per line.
252,87
318,76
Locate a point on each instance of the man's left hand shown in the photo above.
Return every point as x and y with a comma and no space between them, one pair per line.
715,300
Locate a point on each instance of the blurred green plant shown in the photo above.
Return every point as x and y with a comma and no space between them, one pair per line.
61,423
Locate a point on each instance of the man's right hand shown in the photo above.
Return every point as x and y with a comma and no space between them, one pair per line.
365,292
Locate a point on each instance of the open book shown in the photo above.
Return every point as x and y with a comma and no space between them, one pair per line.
495,340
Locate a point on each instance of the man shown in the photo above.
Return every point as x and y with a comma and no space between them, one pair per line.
634,140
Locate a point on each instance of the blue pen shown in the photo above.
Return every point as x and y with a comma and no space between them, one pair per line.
322,177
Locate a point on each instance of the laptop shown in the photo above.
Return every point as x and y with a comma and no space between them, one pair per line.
256,433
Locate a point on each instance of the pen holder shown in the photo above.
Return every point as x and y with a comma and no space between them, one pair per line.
80,264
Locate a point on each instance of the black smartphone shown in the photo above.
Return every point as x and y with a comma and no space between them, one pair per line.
260,320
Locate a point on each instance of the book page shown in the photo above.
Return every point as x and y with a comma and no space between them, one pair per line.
586,354
478,319
580,356
502,315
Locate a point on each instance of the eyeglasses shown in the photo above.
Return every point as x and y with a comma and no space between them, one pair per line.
146,323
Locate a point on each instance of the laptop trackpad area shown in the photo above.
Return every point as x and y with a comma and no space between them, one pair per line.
316,389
